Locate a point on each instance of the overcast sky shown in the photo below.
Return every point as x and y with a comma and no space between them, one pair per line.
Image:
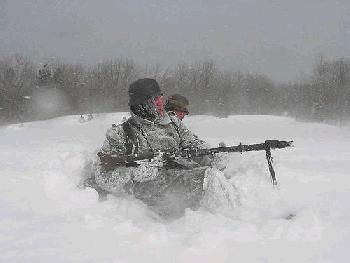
280,38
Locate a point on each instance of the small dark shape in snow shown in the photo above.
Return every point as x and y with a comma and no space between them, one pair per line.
290,216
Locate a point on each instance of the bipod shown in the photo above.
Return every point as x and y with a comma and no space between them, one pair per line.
269,162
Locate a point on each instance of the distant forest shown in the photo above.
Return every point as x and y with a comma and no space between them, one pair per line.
34,92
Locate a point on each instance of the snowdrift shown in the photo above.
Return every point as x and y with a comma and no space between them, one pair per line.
44,216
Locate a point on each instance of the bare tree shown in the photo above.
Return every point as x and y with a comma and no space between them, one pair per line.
17,80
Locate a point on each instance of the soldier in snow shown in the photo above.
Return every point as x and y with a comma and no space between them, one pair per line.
167,189
176,105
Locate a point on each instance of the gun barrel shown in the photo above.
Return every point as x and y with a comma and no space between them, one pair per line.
272,144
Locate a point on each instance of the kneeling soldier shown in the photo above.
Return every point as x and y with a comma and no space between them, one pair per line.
168,190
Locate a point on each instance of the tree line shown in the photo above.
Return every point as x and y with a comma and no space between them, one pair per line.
29,91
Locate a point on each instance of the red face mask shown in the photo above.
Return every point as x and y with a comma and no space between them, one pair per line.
180,114
158,102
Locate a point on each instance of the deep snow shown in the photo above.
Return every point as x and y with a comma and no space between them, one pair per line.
45,217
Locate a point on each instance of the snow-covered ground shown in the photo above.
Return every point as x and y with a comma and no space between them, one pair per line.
45,217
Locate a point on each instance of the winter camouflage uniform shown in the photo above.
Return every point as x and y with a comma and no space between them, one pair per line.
167,190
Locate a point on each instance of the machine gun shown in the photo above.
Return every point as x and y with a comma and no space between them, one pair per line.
113,161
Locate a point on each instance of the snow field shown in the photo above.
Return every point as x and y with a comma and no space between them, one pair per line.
44,216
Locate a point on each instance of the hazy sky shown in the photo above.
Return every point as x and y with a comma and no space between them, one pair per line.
280,38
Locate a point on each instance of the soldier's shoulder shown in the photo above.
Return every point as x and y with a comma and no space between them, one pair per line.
178,123
175,120
116,131
120,126
115,128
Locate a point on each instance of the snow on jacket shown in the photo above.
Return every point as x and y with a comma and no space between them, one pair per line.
170,135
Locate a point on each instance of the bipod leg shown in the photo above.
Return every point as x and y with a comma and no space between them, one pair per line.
269,162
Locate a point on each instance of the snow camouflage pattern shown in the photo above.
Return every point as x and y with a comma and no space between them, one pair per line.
168,191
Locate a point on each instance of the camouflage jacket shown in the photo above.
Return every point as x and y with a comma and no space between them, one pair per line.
170,135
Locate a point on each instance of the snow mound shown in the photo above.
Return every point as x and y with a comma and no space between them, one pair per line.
45,216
